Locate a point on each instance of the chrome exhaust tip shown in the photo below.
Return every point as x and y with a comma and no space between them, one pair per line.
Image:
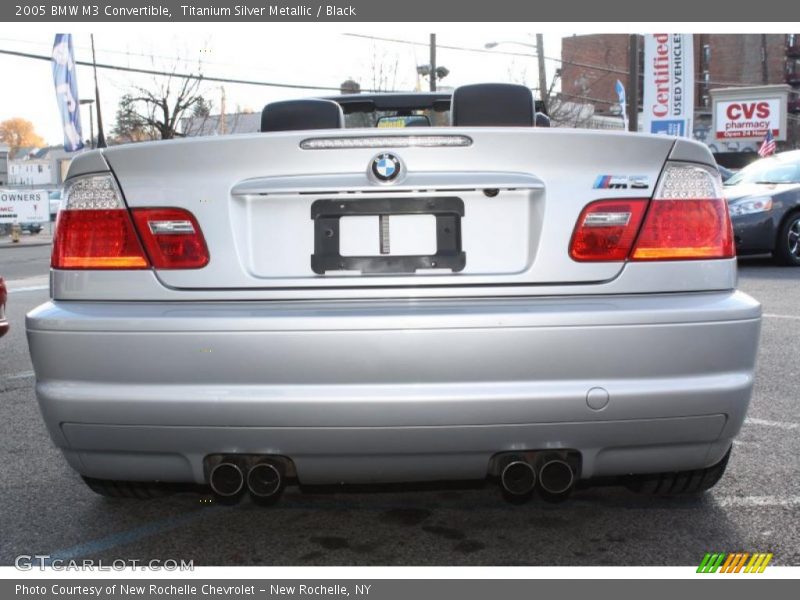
226,480
264,481
556,477
518,477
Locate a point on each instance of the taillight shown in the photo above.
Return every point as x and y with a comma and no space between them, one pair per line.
94,229
171,237
607,229
688,217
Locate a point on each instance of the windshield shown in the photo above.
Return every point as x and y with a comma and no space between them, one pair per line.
768,170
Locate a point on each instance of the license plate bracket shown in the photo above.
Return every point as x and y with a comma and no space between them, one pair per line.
328,212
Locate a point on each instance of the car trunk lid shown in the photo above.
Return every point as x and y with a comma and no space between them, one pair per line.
499,209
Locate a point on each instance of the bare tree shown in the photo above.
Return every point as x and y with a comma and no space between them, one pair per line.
162,105
129,125
383,70
565,112
155,110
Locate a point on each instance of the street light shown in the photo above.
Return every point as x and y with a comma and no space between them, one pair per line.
539,49
91,120
439,73
491,45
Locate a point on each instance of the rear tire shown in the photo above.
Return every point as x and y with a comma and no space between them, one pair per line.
787,246
680,482
139,490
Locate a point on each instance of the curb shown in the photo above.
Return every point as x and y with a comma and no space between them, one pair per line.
24,245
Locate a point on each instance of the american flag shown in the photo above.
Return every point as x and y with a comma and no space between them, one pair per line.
768,145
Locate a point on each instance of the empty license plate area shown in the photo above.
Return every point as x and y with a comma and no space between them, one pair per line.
391,235
395,235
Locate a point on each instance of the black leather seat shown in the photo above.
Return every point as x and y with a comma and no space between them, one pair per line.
294,115
492,105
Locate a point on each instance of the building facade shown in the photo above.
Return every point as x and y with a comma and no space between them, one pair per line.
593,63
30,172
3,165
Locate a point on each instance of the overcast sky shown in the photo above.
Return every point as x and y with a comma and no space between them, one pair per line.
308,55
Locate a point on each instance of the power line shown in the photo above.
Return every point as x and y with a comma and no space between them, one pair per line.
221,79
573,63
295,86
490,52
127,53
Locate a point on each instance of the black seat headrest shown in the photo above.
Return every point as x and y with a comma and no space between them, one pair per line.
293,115
542,120
492,105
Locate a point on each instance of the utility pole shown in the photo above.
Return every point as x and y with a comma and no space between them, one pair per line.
432,76
222,124
91,120
101,138
542,73
633,83
764,63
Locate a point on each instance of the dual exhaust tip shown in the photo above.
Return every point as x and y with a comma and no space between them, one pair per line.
264,481
555,477
518,478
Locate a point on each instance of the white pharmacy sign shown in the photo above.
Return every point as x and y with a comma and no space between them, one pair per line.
24,206
668,106
746,114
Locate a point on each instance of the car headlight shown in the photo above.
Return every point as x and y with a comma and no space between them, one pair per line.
750,206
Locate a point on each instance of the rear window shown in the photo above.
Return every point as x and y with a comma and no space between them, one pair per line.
394,119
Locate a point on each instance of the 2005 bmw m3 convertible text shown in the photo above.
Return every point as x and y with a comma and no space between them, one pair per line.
330,300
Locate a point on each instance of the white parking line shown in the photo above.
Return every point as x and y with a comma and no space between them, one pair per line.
28,284
20,375
757,501
33,288
131,535
779,424
775,316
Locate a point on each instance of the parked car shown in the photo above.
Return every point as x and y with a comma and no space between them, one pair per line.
725,173
764,203
55,203
3,298
32,228
315,304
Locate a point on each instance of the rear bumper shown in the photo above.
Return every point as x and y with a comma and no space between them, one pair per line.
394,390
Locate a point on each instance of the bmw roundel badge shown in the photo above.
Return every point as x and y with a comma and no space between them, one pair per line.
385,167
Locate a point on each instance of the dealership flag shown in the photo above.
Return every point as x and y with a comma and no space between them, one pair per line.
620,89
66,82
668,106
768,146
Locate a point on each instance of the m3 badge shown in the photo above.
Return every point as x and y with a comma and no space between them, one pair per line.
621,182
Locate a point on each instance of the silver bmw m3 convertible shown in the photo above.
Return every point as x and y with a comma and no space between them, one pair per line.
396,288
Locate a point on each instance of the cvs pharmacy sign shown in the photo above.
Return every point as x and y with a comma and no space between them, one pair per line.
739,119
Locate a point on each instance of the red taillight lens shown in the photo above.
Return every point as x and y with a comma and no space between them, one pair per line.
96,231
685,229
606,229
96,239
171,237
687,219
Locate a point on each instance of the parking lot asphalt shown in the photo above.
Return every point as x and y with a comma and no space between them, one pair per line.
46,509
